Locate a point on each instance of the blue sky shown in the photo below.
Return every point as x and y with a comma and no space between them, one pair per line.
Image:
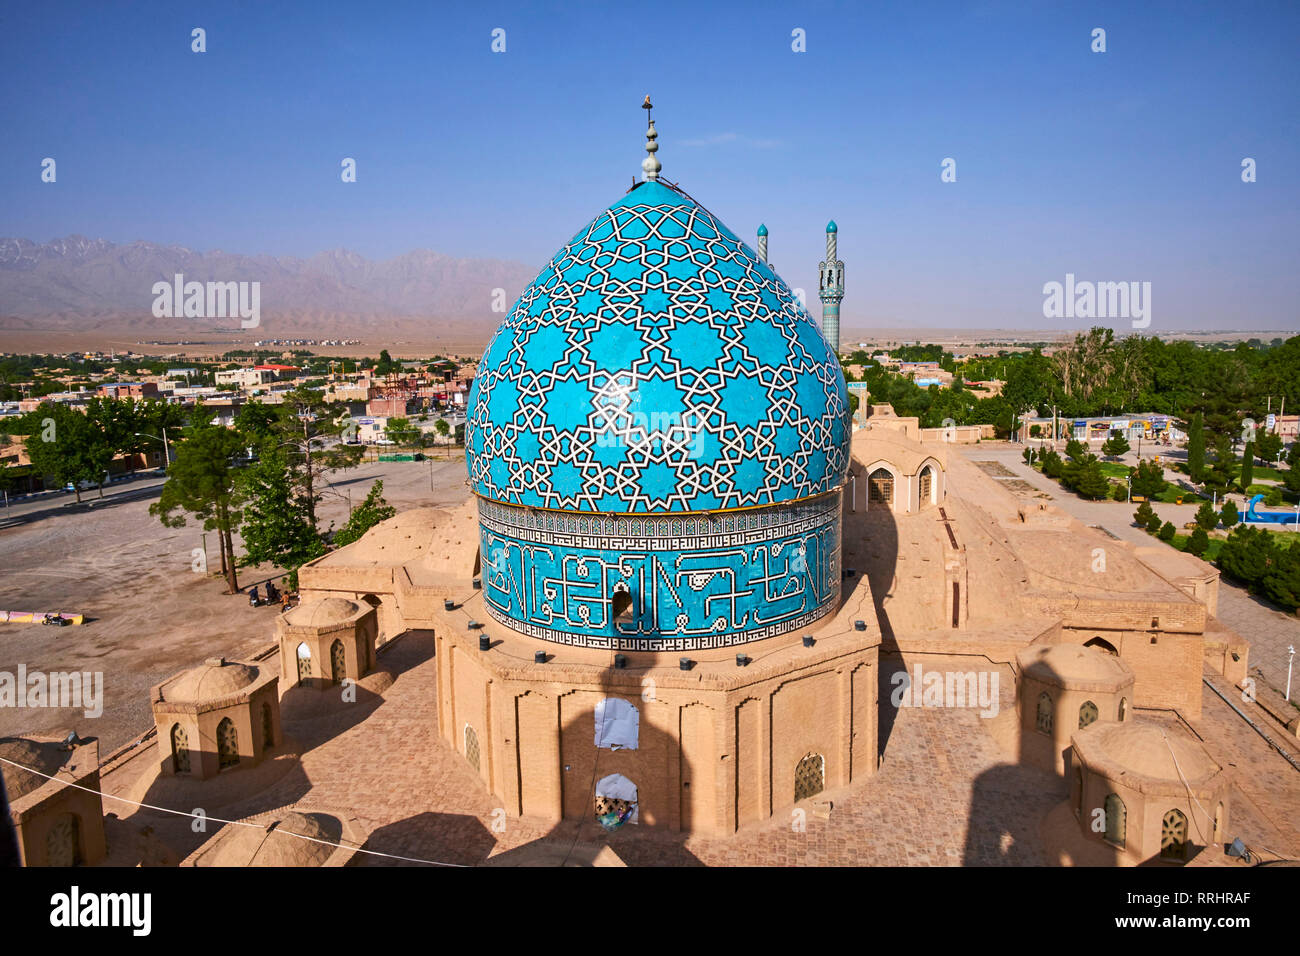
1123,165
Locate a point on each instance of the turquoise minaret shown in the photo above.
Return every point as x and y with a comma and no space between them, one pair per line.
762,243
831,289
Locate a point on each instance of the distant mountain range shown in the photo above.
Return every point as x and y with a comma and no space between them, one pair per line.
76,278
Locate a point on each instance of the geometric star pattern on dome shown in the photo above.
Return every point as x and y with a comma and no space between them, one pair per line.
656,365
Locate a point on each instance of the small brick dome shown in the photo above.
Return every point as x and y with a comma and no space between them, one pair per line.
1072,665
45,756
332,610
272,845
214,679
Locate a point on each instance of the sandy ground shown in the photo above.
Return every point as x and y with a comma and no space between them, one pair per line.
149,615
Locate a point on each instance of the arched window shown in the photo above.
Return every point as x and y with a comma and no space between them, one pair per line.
1087,714
809,777
63,842
471,747
338,662
621,611
1043,720
1078,791
1173,836
1123,708
616,801
880,487
618,724
180,750
304,662
927,485
227,744
268,728
1102,645
1116,820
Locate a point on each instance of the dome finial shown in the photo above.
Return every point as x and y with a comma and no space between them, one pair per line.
650,165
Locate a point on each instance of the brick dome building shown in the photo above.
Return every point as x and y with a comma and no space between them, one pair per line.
218,716
1063,688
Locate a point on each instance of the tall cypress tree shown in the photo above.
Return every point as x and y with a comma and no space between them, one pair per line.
1196,448
1247,465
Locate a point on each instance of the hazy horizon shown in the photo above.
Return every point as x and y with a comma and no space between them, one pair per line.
1122,166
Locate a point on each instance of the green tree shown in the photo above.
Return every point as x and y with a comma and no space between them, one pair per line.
1153,523
1147,479
1053,467
310,428
1291,477
1219,476
1116,445
1029,455
1167,531
1142,516
1198,542
1206,517
1196,448
68,447
1089,482
1119,493
201,481
1267,448
1075,449
1229,515
117,420
1247,477
275,527
365,516
257,422
1246,555
402,432
1281,579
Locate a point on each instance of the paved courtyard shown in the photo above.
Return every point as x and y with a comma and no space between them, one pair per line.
945,794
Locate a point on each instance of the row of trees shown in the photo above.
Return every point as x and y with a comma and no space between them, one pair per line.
1098,374
78,447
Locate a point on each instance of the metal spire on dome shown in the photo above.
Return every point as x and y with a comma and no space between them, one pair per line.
650,165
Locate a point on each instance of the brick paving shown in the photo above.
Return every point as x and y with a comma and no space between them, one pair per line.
945,793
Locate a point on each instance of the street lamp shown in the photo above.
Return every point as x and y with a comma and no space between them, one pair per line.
167,455
1128,483
1290,660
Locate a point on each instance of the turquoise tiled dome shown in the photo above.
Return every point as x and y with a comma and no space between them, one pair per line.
656,365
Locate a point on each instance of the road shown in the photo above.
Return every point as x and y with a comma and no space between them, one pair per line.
35,507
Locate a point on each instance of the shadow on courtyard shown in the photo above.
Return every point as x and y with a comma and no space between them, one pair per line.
870,550
1017,814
